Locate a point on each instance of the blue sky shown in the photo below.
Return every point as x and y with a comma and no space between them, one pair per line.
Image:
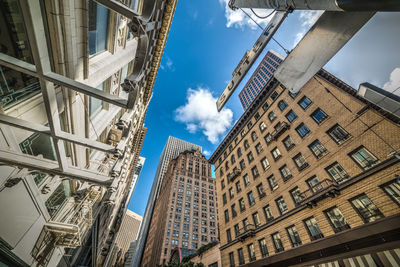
205,43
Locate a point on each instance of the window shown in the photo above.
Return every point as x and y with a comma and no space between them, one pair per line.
280,202
246,180
285,172
337,173
224,198
262,126
231,193
240,256
296,195
314,184
246,144
259,148
239,152
392,188
166,241
263,247
338,134
233,160
336,219
254,136
250,157
96,105
252,254
313,228
251,198
271,116
364,158
294,236
230,148
272,182
236,227
318,149
291,116
256,219
268,138
238,188
366,208
256,116
274,96
255,172
305,102
282,105
249,125
226,215
267,213
223,183
98,27
231,259
276,154
242,206
233,209
260,191
242,164
288,142
293,95
319,115
265,164
265,106
300,161
276,238
302,130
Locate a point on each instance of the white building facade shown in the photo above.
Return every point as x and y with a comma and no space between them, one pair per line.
76,78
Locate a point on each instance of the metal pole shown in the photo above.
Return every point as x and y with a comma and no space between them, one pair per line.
327,5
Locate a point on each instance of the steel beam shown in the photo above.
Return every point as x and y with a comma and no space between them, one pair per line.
39,128
250,57
51,167
119,7
325,38
327,5
30,69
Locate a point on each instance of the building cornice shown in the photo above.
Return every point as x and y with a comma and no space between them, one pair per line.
168,15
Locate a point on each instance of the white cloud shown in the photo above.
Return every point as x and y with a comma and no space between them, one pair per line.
307,19
206,153
394,82
237,19
200,113
170,64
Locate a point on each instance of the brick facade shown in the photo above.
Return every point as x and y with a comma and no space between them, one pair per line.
377,134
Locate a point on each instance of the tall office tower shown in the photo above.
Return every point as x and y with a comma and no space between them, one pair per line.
172,148
310,179
75,86
126,235
260,77
136,175
185,215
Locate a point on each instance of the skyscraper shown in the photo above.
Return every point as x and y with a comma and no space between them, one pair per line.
260,77
172,148
185,212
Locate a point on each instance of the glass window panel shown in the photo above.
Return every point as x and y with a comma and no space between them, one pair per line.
366,208
98,27
393,190
95,104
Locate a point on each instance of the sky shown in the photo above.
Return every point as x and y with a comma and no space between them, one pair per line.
206,42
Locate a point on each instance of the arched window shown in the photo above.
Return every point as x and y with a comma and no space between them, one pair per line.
282,105
246,144
271,116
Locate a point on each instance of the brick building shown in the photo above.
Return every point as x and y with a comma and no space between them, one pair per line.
185,212
310,178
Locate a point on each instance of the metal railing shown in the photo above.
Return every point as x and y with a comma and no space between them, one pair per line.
282,127
246,231
317,188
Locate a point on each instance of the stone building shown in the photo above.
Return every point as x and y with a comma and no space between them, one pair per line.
310,179
185,212
210,258
76,78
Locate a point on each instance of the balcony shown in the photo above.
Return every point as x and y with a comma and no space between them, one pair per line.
235,173
279,130
325,188
245,232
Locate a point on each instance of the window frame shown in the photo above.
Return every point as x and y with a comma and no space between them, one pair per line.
359,213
